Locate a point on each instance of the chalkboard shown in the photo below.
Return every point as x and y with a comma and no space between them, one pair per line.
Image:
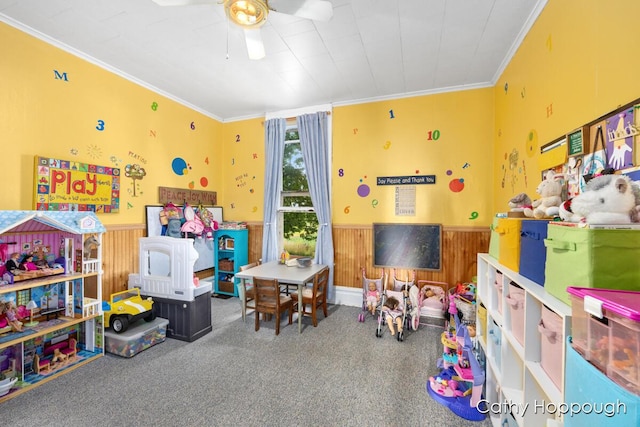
415,246
203,246
575,143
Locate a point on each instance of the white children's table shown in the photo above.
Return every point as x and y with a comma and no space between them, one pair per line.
284,274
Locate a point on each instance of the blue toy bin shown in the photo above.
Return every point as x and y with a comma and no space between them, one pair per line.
588,388
533,252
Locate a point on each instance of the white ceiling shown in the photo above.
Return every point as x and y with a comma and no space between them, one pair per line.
370,50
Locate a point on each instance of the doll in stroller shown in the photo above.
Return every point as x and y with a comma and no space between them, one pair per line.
399,310
371,295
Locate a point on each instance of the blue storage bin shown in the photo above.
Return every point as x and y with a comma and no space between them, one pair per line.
533,252
585,384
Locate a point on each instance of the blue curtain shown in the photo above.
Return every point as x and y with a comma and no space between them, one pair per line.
274,131
314,142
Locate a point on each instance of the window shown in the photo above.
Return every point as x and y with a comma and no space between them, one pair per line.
298,222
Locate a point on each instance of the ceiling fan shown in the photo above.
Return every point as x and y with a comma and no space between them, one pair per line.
250,15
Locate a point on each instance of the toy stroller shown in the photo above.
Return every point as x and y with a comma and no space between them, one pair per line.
399,310
411,297
372,290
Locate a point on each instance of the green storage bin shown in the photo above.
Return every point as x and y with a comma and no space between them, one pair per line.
591,258
494,242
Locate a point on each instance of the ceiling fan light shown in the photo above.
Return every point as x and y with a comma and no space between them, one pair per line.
247,13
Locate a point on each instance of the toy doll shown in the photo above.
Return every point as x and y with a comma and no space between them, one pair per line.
9,309
13,263
427,292
373,297
394,315
27,263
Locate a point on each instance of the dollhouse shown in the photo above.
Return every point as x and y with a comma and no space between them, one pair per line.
58,305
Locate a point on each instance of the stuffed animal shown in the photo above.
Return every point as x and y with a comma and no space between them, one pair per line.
547,206
607,199
520,202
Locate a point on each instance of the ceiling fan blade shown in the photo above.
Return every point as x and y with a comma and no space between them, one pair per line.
316,10
255,47
182,2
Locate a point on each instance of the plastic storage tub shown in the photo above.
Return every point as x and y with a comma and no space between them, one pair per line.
550,328
591,258
137,338
595,399
606,331
533,253
509,231
515,299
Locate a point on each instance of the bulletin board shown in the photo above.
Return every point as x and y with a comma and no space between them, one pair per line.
203,246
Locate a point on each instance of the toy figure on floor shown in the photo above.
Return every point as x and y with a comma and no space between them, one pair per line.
9,309
394,315
373,297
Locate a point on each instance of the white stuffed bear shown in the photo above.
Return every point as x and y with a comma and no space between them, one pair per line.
547,206
608,199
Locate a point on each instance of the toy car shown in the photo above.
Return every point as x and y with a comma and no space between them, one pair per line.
125,308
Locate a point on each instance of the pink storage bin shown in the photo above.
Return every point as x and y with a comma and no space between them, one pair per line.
612,332
515,300
498,285
551,338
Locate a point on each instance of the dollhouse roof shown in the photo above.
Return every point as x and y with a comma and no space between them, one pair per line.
34,221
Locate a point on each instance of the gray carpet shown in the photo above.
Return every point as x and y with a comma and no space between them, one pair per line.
338,374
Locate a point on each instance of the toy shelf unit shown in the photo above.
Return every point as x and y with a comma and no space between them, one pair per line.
523,338
230,253
58,304
166,274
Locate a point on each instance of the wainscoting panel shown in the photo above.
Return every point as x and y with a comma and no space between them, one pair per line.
353,250
120,256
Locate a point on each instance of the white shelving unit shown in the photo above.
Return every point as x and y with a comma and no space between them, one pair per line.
515,377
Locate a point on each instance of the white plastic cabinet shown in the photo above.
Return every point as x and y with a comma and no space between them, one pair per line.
517,384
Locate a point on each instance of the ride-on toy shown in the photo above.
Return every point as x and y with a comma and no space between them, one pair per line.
125,308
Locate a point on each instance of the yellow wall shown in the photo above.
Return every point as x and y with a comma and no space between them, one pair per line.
44,114
369,143
242,160
574,66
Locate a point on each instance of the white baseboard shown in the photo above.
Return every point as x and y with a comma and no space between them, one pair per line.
347,296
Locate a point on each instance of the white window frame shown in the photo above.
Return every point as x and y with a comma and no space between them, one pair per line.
281,208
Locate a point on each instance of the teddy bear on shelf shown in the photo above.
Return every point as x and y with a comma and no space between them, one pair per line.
550,191
606,199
